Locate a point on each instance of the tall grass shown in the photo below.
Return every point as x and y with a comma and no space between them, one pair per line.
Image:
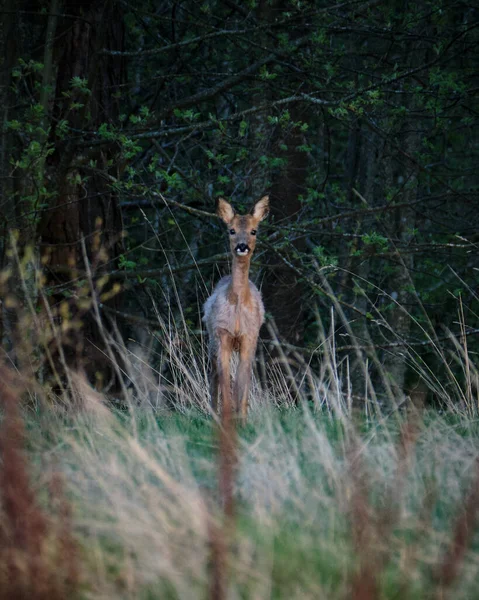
329,502
38,554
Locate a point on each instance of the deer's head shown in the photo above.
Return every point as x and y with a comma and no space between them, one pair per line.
242,229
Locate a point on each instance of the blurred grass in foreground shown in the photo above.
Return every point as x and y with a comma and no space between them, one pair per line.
320,503
339,495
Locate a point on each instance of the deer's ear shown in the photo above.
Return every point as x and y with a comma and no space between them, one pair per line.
224,210
261,209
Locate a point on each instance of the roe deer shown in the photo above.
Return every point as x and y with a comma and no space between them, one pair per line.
234,312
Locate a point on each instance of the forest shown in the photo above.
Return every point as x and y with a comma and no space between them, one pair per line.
122,124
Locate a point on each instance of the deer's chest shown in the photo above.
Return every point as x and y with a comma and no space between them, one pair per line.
240,316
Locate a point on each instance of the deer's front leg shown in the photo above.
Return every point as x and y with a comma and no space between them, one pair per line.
214,383
227,429
223,358
243,377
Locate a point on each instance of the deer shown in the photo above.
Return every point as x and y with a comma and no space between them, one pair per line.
234,312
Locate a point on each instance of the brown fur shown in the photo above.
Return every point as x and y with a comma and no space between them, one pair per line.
234,312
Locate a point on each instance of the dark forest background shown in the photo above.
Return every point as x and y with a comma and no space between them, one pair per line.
123,121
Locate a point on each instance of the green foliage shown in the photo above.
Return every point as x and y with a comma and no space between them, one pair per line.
80,85
377,240
107,132
186,115
323,259
375,118
124,263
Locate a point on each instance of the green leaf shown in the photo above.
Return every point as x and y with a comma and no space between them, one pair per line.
243,126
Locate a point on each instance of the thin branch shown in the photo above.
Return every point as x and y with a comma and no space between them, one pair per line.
195,40
195,127
346,215
404,343
142,273
188,209
46,14
371,347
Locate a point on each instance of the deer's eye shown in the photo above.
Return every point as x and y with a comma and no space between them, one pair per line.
232,231
253,232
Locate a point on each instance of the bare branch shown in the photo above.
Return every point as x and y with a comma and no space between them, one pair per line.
196,40
143,273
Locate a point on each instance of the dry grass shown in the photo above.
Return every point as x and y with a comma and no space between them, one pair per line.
329,503
38,554
325,507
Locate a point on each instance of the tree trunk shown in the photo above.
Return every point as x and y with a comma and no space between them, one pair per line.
371,151
82,228
403,229
399,318
8,42
284,294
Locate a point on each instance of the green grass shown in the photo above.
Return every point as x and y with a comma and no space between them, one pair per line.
141,489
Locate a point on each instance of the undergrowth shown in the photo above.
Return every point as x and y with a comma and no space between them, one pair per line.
324,509
121,497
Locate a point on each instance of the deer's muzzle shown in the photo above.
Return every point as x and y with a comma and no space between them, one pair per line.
242,249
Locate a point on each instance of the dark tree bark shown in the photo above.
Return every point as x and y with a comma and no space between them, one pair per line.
284,294
85,214
8,41
401,228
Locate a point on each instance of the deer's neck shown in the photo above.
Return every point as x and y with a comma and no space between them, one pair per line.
239,286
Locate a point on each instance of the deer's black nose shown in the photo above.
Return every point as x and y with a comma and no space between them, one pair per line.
242,248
